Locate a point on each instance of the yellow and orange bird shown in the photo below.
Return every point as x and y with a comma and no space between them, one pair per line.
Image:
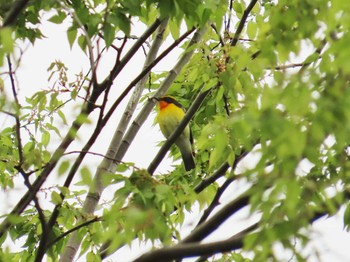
171,112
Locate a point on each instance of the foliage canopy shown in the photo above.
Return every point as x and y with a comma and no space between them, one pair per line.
265,84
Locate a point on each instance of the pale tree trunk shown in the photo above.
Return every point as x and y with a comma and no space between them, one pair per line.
119,146
97,188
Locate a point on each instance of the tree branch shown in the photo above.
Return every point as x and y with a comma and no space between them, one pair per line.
166,146
219,173
242,22
104,121
197,249
215,202
191,245
97,188
141,118
119,65
14,12
86,223
206,228
86,110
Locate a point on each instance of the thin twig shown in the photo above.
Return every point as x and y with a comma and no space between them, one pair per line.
227,29
215,202
93,137
171,139
88,41
242,22
86,223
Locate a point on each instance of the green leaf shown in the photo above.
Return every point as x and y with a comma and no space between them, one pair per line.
45,138
252,30
86,176
82,42
123,22
92,257
108,34
56,198
174,29
58,18
237,7
72,35
6,40
62,116
63,167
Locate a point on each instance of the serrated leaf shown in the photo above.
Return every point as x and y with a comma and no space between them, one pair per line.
82,42
72,35
108,34
58,18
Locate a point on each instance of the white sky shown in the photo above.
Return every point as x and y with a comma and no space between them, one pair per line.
331,241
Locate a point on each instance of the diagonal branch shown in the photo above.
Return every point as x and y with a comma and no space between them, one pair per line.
84,224
97,187
97,131
166,146
168,254
14,12
242,22
141,118
119,65
70,136
209,226
215,202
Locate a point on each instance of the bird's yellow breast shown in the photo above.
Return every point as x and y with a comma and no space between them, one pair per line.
169,117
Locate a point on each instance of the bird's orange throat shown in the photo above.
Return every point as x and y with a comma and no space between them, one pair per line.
163,104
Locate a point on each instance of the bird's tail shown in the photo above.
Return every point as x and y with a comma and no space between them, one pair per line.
188,160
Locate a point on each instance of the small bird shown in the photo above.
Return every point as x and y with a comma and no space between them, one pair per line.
170,115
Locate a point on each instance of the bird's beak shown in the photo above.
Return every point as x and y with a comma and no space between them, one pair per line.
155,98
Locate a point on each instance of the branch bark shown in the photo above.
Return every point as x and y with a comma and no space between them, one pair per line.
142,116
197,249
166,146
14,12
105,166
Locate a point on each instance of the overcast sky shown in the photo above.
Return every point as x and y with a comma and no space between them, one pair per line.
331,240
